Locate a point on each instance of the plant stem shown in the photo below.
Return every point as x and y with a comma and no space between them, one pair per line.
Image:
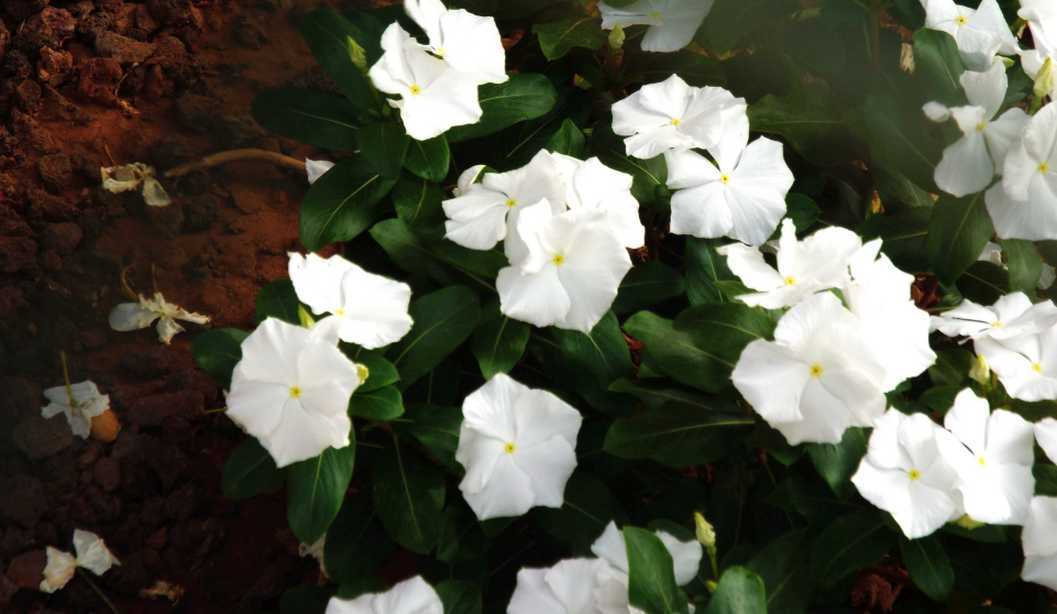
235,155
66,378
99,591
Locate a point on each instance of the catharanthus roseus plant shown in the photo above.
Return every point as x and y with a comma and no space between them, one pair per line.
662,306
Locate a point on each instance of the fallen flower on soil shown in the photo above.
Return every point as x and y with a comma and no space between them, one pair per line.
129,177
81,402
92,554
136,316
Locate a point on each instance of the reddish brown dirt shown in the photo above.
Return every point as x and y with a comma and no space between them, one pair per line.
85,84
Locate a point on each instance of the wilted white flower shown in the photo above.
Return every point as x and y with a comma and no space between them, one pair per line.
58,571
805,267
117,179
992,453
672,115
92,554
571,273
1010,316
315,169
969,164
1026,365
469,43
412,596
126,317
518,446
291,391
565,588
1024,204
80,403
741,196
904,474
1039,540
366,309
672,23
816,378
980,33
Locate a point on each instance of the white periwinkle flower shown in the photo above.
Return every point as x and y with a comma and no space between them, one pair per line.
969,164
1024,204
80,403
904,474
816,378
1026,365
591,185
565,588
992,455
412,596
572,271
434,97
314,169
468,43
803,267
126,317
672,115
518,446
1010,316
291,391
1041,16
1046,435
741,196
1039,540
980,33
92,554
672,23
366,309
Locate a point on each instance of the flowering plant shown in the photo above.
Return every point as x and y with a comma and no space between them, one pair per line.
662,306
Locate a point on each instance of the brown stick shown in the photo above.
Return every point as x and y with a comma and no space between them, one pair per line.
235,155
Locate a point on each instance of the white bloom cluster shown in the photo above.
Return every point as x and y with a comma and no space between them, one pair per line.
831,361
437,82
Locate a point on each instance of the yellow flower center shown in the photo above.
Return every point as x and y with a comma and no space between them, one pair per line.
961,20
295,392
1036,367
510,447
816,370
725,178
415,89
440,51
510,203
362,372
558,259
790,281
914,475
1044,167
997,324
981,126
676,121
981,460
340,312
656,14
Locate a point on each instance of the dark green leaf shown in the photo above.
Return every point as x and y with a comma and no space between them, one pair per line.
724,330
958,231
383,147
316,489
381,405
305,599
929,567
603,354
740,591
676,435
651,577
938,66
430,159
525,96
588,507
559,37
437,429
568,140
380,372
849,544
904,234
342,204
309,116
837,462
708,280
278,300
443,321
338,47
409,498
499,342
418,204
460,597
674,353
217,352
786,572
1024,264
250,471
648,284
356,544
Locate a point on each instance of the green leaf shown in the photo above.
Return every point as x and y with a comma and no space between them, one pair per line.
418,204
305,599
674,353
523,97
958,231
381,405
337,45
499,342
557,38
651,576
849,544
900,139
807,120
409,498
342,204
837,462
250,471
383,147
380,372
708,280
309,116
1024,264
316,489
929,566
786,572
603,354
460,597
740,591
904,234
725,329
677,435
650,176
278,300
436,427
588,507
648,284
443,321
217,351
568,140
430,159
356,544
938,66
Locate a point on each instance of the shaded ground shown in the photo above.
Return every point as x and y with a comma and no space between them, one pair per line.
90,83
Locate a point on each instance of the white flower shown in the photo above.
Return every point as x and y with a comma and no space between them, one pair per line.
816,378
686,556
571,273
889,323
565,588
117,179
467,178
366,309
904,474
1024,205
291,391
803,267
1039,540
980,33
412,596
992,456
1038,64
92,554
433,96
1046,435
80,402
672,23
1011,316
969,164
1026,365
468,43
518,446
126,317
672,115
58,571
315,169
483,214
742,196
1041,16
592,185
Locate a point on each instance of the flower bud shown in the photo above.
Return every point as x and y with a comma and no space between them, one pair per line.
906,58
1044,80
966,522
616,38
304,317
980,372
704,531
